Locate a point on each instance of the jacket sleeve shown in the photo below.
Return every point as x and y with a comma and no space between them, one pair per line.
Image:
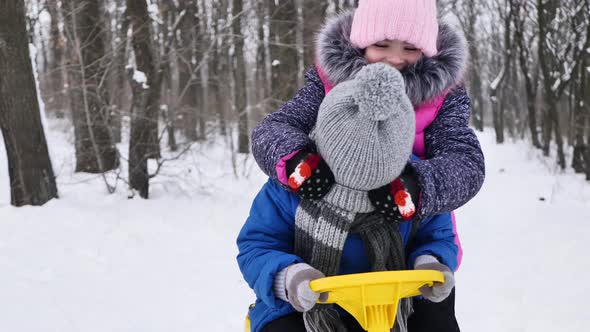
265,243
286,130
454,169
436,237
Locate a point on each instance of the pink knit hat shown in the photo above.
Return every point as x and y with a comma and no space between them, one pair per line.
412,21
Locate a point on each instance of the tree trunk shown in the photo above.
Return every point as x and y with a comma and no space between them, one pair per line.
587,155
531,97
283,51
547,123
314,14
202,51
56,100
558,136
264,68
498,114
497,105
547,129
95,151
579,160
579,157
170,114
510,103
529,74
270,105
551,93
187,78
475,89
146,99
299,42
74,80
220,63
32,181
239,67
138,161
571,111
119,91
261,84
586,97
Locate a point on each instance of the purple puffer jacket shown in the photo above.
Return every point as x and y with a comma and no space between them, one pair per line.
452,170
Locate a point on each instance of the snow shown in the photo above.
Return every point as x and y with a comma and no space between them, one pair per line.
556,85
97,262
154,12
33,56
139,77
44,17
498,79
275,62
525,260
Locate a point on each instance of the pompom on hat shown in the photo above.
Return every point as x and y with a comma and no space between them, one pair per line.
365,128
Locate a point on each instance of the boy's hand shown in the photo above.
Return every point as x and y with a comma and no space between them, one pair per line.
297,279
398,200
309,175
439,291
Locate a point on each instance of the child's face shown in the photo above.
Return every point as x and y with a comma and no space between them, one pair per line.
396,53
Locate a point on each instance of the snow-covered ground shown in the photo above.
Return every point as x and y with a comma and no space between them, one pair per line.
91,261
526,261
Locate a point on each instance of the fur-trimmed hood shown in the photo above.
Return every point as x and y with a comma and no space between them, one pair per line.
425,80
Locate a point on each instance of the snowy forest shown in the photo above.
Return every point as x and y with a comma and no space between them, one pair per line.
170,74
127,171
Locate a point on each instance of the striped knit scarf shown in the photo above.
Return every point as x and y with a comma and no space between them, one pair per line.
321,229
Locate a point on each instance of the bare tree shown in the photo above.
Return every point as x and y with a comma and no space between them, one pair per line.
169,93
283,51
95,151
263,63
561,44
225,64
238,69
220,64
587,121
55,68
146,81
188,79
32,181
498,103
202,53
118,26
580,126
314,14
475,77
525,39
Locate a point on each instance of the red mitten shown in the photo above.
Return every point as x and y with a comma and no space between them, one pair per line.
398,200
309,175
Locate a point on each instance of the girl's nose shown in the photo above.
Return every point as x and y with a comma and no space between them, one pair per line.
395,61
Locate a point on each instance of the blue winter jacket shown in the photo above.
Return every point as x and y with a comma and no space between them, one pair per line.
266,242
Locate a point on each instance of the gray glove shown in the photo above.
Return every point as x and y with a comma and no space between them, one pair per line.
439,291
292,285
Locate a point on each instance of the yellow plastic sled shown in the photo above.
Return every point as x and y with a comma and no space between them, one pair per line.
372,298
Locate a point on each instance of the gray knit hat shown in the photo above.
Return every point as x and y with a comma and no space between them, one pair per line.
365,128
